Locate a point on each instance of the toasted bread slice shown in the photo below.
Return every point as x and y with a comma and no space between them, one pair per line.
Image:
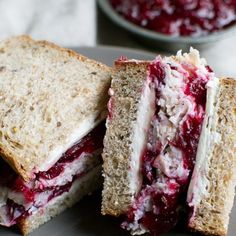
212,188
132,100
50,98
80,188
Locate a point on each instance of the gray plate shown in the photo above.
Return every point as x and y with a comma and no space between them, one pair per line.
84,218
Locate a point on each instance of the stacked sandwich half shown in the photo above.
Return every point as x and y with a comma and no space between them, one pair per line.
170,119
51,129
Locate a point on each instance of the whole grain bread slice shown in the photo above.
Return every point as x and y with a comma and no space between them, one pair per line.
130,107
50,97
216,175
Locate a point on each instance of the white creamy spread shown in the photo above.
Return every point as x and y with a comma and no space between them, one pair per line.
84,162
83,129
145,113
197,188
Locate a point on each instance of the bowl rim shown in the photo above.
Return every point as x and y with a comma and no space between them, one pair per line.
129,26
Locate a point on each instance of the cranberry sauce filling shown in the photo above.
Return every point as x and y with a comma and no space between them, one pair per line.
8,178
90,143
178,17
16,212
59,190
169,158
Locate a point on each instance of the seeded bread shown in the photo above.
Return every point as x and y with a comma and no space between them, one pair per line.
50,97
212,209
125,136
84,186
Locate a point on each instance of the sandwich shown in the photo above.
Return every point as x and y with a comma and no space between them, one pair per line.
52,107
169,148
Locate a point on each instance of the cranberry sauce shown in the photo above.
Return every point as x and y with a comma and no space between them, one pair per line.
164,222
166,190
8,178
90,143
178,17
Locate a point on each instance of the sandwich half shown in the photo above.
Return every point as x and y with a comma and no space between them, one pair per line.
156,113
52,107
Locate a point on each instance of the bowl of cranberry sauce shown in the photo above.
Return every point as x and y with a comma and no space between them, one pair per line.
174,24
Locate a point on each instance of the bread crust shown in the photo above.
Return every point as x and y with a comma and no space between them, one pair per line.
71,53
26,165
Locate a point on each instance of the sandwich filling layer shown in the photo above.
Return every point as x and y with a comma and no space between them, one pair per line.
169,157
209,137
20,199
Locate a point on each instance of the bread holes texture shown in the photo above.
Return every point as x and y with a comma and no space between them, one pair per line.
126,88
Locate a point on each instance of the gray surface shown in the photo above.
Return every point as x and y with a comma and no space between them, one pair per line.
84,218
